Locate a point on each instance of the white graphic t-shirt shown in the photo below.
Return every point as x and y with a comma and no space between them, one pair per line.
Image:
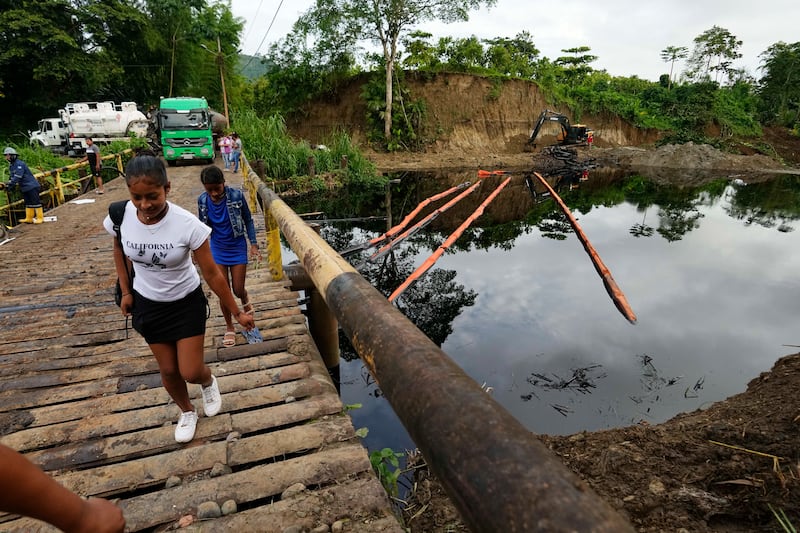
162,253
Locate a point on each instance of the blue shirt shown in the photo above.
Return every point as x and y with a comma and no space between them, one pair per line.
21,176
229,221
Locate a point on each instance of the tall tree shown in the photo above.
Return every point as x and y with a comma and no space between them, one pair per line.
670,55
43,60
381,21
714,51
576,66
780,85
512,57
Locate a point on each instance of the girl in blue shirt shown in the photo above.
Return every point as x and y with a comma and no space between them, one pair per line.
225,211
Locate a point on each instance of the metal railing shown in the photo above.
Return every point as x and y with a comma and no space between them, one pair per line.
61,185
497,473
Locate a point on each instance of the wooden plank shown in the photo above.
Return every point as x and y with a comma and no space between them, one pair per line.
12,400
290,413
121,447
254,484
154,470
20,400
360,502
98,425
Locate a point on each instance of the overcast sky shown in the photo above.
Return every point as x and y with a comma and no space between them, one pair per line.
626,35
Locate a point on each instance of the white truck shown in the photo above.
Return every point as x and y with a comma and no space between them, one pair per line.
52,134
103,122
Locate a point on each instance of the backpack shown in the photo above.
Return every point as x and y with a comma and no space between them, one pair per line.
116,210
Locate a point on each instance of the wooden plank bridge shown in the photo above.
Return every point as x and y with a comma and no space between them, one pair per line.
81,396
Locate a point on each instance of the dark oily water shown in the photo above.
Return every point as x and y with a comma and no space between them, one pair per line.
710,270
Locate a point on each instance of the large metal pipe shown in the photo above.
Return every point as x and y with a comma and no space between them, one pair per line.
498,474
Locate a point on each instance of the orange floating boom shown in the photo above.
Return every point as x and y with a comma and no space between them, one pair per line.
608,280
421,224
395,229
429,262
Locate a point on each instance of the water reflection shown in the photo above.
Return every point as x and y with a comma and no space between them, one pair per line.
707,267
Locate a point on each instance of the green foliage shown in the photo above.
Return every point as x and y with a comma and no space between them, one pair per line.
780,86
267,139
406,120
338,25
714,50
42,160
63,51
120,145
671,54
386,465
298,74
735,111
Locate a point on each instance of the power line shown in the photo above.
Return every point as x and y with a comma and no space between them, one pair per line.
255,17
265,35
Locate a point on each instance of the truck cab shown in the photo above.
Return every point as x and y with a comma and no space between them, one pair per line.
185,126
52,134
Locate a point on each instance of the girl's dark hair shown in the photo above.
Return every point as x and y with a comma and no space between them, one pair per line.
146,165
211,175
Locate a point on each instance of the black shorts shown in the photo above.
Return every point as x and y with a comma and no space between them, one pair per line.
160,322
93,165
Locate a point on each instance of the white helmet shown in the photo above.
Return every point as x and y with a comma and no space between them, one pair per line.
9,151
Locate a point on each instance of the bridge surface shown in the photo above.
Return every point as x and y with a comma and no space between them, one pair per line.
81,396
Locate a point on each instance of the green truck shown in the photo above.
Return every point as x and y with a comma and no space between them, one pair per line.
185,125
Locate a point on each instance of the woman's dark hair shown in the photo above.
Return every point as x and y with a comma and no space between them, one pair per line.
211,175
146,165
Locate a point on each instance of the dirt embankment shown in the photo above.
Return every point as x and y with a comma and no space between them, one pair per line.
472,122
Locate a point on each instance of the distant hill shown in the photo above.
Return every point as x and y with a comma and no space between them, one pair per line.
252,67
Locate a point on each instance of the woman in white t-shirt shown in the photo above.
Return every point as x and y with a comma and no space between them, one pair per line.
166,297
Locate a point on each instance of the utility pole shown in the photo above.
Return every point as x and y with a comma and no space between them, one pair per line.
220,61
220,58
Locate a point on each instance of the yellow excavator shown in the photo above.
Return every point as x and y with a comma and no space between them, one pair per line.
570,134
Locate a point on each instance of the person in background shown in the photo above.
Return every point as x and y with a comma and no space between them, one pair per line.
236,151
95,164
26,490
166,297
225,211
225,149
22,177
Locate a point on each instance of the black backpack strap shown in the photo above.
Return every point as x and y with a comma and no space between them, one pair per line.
116,210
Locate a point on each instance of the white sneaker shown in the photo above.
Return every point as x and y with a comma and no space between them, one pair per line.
187,423
212,400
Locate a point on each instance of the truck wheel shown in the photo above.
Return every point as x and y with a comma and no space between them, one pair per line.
172,162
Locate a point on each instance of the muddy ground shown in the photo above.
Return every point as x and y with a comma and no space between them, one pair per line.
727,468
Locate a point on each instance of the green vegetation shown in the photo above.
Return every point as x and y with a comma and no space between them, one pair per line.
41,160
386,463
284,158
66,50
710,101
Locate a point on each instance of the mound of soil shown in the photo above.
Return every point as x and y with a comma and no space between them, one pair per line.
670,157
721,469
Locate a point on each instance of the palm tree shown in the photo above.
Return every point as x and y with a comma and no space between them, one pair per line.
670,54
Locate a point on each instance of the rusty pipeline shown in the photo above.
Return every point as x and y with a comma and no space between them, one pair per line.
498,474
